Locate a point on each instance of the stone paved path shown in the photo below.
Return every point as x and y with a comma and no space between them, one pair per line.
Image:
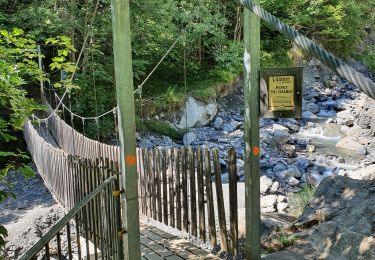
157,245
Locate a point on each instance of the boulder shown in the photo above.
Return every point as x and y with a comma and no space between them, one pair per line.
349,144
312,107
145,143
265,184
290,172
366,173
189,138
308,115
218,122
268,201
337,223
197,113
366,117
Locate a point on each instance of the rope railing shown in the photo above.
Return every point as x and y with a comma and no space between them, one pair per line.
83,146
365,84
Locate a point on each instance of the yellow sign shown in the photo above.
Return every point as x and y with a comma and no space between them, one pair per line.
281,93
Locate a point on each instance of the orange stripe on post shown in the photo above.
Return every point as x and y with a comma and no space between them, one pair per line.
131,160
256,151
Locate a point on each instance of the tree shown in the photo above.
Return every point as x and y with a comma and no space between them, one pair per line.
18,71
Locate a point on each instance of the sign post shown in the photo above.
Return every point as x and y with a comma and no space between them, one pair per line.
125,101
251,133
281,93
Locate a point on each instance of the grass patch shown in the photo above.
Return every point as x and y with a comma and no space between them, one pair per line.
299,200
279,240
159,127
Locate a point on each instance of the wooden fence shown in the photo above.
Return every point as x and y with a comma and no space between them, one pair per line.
176,188
175,185
70,179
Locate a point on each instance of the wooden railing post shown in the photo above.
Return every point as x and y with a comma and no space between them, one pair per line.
251,133
125,100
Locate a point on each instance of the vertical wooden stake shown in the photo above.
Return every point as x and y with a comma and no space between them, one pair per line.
126,125
252,148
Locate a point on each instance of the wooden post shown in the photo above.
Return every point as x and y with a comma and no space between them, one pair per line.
193,205
233,205
220,201
251,133
200,182
185,206
210,198
126,125
177,158
165,187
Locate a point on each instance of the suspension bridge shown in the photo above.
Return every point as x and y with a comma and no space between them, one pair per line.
102,187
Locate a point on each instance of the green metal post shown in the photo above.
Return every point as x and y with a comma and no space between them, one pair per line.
252,147
125,100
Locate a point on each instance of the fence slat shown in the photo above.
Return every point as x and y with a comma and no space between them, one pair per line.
154,184
193,205
210,198
220,201
171,188
185,205
177,157
158,183
165,187
233,208
202,218
148,179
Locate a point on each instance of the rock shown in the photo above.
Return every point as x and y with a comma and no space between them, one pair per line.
331,130
337,223
366,173
218,122
279,167
281,207
279,127
312,107
344,129
290,172
345,118
310,148
268,201
281,198
145,143
275,186
293,181
280,133
361,151
265,184
197,113
308,115
289,150
366,117
227,127
189,138
349,144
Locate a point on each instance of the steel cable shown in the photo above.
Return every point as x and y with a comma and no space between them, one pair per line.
365,84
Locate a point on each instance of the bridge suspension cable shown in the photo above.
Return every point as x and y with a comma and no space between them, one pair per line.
365,84
113,110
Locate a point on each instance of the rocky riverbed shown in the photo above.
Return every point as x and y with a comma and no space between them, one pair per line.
336,135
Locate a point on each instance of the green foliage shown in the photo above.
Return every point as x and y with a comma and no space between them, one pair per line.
299,200
159,127
287,241
18,71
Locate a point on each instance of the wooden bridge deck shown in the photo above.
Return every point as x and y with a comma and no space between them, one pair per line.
157,245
